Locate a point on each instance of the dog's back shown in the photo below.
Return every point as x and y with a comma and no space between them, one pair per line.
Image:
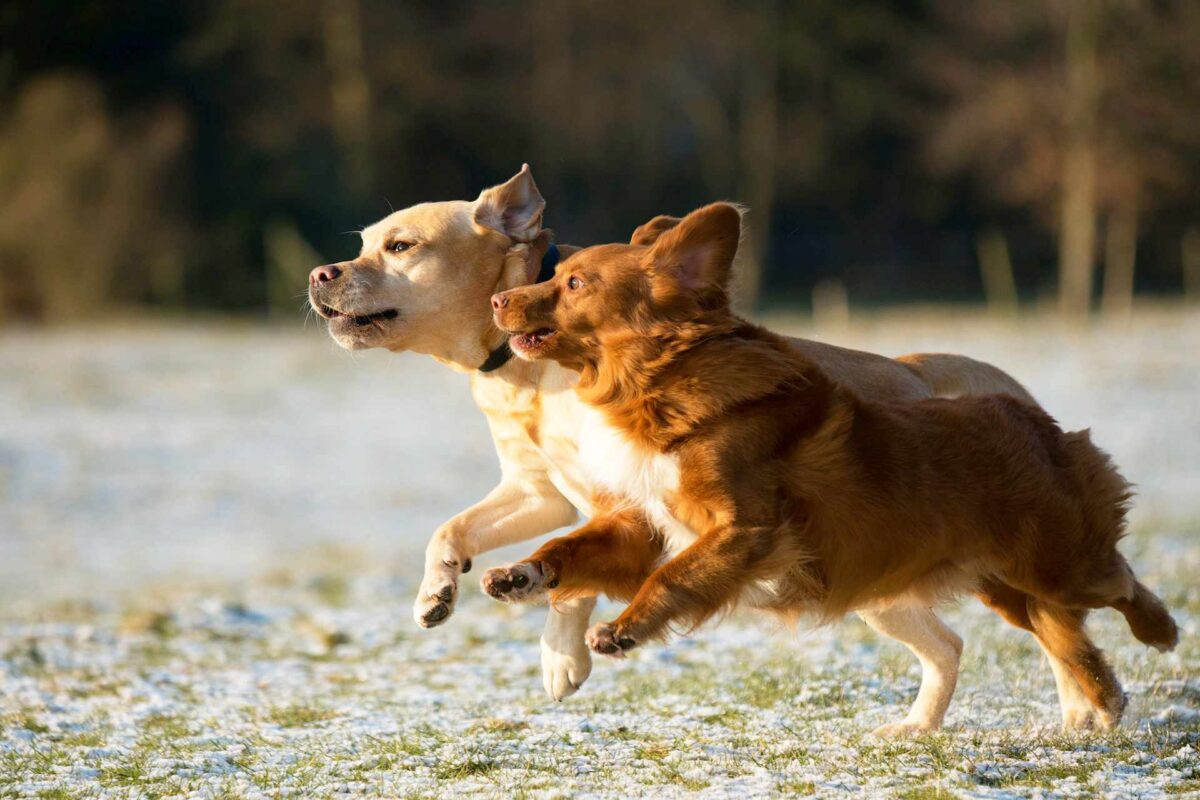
1045,501
942,494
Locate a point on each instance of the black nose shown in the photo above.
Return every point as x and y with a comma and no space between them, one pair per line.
499,301
323,275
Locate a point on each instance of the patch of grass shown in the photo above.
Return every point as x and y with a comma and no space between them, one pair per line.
30,723
131,773
939,748
672,775
788,756
926,793
475,638
1184,787
332,590
57,793
92,738
653,752
502,726
298,716
795,788
472,766
624,734
727,718
421,742
1049,775
166,726
158,623
94,683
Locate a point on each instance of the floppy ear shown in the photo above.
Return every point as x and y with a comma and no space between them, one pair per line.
513,208
647,233
697,254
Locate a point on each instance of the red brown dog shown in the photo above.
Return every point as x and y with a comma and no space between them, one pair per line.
776,487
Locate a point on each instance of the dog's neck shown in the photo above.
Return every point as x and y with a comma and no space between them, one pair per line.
491,356
500,354
661,387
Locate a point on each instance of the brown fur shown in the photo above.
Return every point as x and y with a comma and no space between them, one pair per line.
788,477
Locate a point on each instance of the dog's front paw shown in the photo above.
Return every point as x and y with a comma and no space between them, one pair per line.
438,592
604,638
520,582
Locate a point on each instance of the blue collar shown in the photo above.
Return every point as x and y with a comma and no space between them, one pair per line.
501,355
549,262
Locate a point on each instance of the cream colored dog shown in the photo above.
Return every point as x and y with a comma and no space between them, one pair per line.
422,282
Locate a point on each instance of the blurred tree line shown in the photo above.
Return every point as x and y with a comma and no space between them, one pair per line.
206,155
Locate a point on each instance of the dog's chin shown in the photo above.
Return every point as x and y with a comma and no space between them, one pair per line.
534,345
361,331
359,336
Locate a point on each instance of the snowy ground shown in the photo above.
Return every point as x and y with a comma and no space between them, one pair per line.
210,536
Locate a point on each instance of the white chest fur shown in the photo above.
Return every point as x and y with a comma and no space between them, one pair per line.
612,463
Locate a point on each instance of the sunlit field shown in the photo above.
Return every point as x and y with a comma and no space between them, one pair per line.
211,534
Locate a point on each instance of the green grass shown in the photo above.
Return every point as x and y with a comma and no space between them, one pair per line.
458,769
926,793
389,710
167,726
60,793
299,715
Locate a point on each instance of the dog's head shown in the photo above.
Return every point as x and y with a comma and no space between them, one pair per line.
423,277
676,272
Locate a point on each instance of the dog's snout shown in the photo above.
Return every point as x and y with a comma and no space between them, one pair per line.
500,301
323,274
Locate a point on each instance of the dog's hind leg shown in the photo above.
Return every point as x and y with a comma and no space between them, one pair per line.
1012,606
937,648
1060,630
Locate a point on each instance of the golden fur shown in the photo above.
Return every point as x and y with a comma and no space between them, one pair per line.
794,482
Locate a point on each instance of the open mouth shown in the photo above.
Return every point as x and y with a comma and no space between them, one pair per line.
363,319
531,342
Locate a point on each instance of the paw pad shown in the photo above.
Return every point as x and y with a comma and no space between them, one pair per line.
603,639
516,582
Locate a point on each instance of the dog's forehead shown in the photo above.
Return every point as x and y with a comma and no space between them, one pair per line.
424,222
605,259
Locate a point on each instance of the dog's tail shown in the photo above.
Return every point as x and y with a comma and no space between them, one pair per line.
950,375
1105,498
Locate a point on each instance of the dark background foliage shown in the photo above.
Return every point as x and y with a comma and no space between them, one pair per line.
206,155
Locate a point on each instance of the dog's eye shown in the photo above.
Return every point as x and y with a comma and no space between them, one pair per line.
574,283
400,247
